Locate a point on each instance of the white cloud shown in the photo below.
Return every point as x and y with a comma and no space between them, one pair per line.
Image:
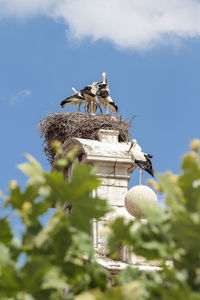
136,24
19,96
26,8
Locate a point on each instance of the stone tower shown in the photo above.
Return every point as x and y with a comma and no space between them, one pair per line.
113,164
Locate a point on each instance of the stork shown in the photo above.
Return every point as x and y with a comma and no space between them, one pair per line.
89,92
103,94
141,159
75,99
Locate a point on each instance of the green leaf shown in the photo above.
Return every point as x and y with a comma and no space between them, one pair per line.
5,232
83,180
10,282
54,279
172,192
60,190
54,239
5,258
154,213
33,272
62,162
191,167
129,291
31,232
18,198
84,209
128,275
77,193
33,170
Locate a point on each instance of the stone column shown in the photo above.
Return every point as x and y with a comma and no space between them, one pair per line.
112,161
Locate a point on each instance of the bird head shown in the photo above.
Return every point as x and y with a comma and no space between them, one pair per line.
104,77
133,143
102,85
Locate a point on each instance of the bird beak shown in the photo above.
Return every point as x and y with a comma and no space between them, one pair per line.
130,148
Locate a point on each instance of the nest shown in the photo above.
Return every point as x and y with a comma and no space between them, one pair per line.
64,126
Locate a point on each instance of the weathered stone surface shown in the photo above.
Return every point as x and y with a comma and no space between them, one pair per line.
113,163
114,194
114,182
139,194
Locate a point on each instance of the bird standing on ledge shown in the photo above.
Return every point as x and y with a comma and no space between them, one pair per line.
141,159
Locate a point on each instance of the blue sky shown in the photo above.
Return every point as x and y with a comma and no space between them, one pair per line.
153,69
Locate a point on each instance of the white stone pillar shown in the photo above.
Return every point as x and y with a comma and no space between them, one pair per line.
112,161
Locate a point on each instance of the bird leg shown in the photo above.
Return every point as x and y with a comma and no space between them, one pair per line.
79,106
99,106
92,107
84,105
89,107
141,176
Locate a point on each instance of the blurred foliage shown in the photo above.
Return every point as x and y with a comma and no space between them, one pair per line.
169,236
57,261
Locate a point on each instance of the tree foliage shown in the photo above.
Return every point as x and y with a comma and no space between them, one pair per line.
57,261
170,235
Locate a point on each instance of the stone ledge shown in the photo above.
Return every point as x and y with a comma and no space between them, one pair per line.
116,266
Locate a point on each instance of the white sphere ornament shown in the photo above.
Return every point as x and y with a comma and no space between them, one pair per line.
139,194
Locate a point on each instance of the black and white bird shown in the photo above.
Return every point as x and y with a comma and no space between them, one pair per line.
76,99
89,92
103,94
140,158
86,96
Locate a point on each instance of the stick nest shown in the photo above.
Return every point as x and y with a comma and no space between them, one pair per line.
64,126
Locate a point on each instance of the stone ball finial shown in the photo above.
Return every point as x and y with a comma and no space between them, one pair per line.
139,194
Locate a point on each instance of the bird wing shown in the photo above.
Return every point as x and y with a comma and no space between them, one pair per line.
79,95
102,101
138,155
88,91
111,104
145,163
73,100
103,93
148,167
